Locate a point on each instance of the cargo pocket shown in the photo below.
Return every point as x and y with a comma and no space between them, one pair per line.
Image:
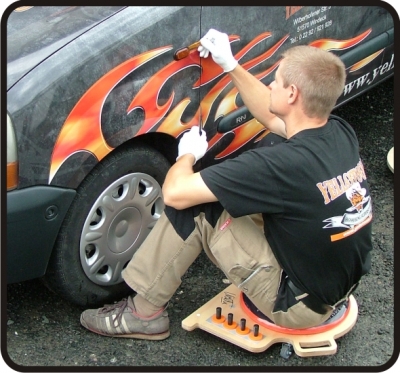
257,278
260,285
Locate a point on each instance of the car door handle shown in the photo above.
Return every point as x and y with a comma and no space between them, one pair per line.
234,119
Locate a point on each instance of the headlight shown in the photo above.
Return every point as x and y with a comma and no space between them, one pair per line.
12,156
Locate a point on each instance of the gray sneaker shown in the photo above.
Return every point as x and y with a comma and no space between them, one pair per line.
121,320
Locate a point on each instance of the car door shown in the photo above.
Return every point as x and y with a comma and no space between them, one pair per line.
361,35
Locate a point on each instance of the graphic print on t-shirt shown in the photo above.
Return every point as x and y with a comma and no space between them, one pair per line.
359,212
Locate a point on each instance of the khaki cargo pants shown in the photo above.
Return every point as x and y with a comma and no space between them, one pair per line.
236,245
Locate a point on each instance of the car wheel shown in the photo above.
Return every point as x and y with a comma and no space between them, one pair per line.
115,208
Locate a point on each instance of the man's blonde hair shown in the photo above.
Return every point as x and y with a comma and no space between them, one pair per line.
319,75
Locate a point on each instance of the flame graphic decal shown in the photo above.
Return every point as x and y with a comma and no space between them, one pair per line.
82,129
365,61
82,132
147,97
330,44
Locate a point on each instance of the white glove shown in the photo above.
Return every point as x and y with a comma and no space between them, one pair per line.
217,43
192,143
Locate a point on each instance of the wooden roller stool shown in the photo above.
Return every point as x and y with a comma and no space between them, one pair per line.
231,316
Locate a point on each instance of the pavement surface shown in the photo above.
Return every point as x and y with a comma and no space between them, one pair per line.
41,331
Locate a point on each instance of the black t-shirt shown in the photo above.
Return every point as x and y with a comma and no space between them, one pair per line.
313,194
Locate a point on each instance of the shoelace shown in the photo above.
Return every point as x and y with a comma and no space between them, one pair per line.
118,307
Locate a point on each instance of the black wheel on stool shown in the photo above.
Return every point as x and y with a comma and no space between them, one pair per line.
286,350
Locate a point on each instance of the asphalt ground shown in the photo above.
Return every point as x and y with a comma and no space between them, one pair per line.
41,332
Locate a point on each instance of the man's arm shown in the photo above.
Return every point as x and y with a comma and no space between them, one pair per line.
255,94
184,188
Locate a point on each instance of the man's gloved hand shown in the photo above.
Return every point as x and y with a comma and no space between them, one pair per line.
217,43
192,143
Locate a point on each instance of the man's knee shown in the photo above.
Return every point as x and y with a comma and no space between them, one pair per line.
183,221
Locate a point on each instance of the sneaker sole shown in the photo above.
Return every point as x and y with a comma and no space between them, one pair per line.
151,337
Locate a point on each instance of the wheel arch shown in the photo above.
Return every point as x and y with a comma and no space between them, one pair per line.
166,144
75,169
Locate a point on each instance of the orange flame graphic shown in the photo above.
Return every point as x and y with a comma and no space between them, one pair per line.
365,61
330,44
173,125
82,128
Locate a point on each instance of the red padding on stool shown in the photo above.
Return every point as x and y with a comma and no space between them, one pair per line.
281,329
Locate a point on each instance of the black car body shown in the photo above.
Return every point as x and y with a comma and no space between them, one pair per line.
96,103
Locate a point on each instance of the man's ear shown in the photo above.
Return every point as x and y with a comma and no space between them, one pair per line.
293,94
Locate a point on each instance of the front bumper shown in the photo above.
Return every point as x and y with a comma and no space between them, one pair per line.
34,217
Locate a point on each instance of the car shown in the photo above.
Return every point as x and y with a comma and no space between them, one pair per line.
98,98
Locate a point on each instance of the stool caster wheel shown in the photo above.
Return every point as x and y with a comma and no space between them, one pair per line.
286,350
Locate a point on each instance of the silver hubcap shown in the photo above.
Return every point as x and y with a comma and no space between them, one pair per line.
119,221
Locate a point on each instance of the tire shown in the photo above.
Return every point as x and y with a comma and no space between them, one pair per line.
114,210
